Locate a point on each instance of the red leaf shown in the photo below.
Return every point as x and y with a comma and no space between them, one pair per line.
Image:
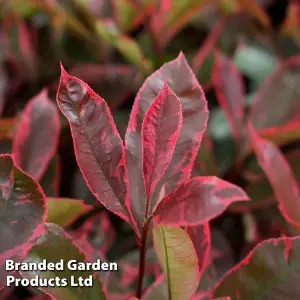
22,213
37,134
230,92
197,201
208,45
160,131
280,89
183,83
280,176
100,229
270,271
200,236
98,147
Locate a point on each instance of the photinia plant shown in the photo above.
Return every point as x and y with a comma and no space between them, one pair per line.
148,178
146,181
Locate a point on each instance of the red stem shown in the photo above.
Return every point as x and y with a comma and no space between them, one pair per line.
143,251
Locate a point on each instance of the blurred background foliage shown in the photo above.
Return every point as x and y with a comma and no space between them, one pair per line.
113,45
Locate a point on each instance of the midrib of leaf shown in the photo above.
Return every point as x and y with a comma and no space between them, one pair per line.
167,264
94,154
149,200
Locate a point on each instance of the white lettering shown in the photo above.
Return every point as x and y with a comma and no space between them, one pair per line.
72,265
9,280
9,265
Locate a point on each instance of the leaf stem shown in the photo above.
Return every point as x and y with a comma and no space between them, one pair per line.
143,251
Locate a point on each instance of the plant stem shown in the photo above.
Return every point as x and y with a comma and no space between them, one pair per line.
143,250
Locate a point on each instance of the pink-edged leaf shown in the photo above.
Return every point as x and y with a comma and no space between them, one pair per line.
230,92
160,130
98,147
22,213
27,48
183,83
104,78
100,229
55,245
200,236
37,134
280,89
157,290
197,201
173,16
270,271
82,238
280,175
208,45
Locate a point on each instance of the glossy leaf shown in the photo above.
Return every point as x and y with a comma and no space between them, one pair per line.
53,245
280,176
200,237
183,83
105,78
98,147
37,135
197,201
230,92
22,213
270,271
160,130
178,259
64,211
280,89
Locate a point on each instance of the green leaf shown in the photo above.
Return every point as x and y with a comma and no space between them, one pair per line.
130,49
129,15
178,259
55,245
64,211
270,271
170,21
254,62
